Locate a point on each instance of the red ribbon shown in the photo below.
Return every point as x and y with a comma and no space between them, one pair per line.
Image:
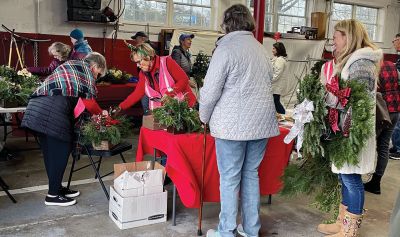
277,36
342,95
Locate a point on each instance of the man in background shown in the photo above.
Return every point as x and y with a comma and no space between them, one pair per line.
181,54
395,150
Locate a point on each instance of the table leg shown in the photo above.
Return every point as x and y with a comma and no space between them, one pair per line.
174,206
5,187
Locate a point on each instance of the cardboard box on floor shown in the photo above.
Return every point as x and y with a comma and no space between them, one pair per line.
148,208
144,178
130,212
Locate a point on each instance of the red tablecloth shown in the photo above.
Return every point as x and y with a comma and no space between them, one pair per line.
184,152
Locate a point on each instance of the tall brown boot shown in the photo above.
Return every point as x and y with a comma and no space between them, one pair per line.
350,226
333,228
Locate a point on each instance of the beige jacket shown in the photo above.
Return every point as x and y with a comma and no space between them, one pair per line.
279,79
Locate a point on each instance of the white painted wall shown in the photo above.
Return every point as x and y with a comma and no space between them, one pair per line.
50,17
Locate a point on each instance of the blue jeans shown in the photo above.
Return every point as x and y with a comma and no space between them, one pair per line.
352,192
396,136
238,163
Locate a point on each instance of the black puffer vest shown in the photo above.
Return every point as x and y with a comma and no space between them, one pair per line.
51,115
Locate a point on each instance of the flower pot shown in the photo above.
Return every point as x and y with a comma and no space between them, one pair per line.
175,131
150,122
10,104
103,146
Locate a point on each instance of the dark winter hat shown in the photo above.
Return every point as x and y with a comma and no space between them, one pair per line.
184,36
76,34
139,33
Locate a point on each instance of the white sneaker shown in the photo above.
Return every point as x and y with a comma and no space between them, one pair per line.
240,230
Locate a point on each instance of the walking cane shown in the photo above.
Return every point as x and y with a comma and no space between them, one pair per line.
203,161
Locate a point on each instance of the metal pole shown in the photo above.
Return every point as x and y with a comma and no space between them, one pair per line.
259,16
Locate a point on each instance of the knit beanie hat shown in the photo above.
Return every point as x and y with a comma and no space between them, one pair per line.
76,34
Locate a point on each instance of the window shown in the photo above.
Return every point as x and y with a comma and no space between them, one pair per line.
282,15
367,15
192,13
146,11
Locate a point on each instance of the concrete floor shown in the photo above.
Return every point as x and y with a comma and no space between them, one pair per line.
89,217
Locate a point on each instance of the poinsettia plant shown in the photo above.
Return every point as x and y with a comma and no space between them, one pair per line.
176,113
105,127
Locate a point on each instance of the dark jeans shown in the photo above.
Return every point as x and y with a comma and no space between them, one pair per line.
382,145
55,154
352,192
145,105
396,136
278,105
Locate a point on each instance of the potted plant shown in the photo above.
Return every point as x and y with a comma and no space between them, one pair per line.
200,67
177,116
115,76
16,87
104,131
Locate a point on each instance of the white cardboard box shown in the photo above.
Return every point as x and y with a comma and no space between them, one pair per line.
130,212
138,178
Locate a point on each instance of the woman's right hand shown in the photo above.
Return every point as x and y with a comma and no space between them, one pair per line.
116,111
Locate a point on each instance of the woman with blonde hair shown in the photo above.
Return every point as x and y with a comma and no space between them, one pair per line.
159,76
60,53
356,58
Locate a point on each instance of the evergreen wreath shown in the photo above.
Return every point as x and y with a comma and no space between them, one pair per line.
313,174
341,150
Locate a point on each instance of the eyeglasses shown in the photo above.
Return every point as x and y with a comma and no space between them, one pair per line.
395,40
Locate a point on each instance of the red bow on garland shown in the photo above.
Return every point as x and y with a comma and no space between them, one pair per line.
342,95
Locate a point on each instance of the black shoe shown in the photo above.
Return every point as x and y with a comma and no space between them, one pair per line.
394,156
374,185
59,201
64,191
392,150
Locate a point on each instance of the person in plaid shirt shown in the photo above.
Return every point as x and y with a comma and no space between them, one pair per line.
395,150
388,85
50,114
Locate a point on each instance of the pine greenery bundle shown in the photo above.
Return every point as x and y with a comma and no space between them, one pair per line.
177,114
313,175
200,67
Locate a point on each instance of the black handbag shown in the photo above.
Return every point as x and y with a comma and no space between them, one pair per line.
382,114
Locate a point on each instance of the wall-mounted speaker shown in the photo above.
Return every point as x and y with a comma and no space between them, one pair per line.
87,15
85,4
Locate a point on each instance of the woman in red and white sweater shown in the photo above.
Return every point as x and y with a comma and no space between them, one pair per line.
159,76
